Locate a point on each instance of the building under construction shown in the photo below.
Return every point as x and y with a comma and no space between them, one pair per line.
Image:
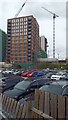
22,44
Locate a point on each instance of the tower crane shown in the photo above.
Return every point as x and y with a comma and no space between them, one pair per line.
20,9
54,16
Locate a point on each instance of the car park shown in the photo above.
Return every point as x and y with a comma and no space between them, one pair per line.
24,88
56,87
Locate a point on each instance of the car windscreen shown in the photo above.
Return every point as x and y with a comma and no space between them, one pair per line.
22,85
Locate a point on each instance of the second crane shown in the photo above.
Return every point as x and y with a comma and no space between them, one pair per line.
54,16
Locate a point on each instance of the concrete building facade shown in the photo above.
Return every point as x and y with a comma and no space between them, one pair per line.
43,44
22,39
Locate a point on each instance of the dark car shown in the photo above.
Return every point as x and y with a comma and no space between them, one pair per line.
56,87
24,88
29,97
9,82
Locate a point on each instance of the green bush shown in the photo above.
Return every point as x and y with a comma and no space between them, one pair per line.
44,65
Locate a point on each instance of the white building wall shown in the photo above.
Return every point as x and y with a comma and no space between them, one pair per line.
43,42
0,45
67,30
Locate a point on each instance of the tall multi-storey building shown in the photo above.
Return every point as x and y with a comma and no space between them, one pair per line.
22,39
2,46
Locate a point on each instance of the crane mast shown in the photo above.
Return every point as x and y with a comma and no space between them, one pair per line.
54,16
20,9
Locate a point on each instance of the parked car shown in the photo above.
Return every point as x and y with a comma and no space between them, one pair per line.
9,82
56,87
20,72
29,97
59,75
24,88
24,74
7,71
15,72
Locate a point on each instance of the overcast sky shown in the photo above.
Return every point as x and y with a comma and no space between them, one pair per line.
8,9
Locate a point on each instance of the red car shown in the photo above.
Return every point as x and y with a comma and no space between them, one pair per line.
30,74
24,74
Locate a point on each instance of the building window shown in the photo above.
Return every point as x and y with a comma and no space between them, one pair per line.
20,26
25,30
17,20
29,59
13,21
17,27
25,19
20,19
29,44
29,54
25,26
29,36
17,24
17,34
21,33
9,20
21,37
29,33
25,33
25,37
29,47
29,18
29,29
25,23
29,40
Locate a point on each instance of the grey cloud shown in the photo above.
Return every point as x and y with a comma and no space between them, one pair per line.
35,9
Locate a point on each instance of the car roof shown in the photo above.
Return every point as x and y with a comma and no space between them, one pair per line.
65,91
60,83
55,89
